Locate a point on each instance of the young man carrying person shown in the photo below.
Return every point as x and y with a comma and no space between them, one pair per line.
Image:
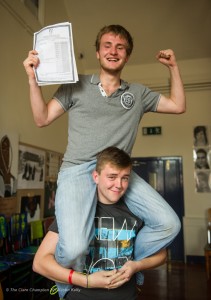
104,111
109,265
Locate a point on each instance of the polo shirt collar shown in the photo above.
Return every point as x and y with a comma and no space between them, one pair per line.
95,79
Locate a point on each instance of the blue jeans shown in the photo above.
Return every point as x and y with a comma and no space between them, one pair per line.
75,211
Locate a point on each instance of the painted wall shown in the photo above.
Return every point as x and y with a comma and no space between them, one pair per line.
15,114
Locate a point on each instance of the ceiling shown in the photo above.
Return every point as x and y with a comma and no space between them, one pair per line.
183,25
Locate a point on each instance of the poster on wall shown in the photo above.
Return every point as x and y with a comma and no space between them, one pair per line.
203,182
31,168
200,136
202,158
49,203
31,202
53,163
8,163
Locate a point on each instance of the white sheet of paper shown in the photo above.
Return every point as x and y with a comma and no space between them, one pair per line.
54,45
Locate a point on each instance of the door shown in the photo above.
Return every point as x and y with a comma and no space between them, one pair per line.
165,175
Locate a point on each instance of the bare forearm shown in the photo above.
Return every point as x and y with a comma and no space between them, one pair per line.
177,94
43,113
38,105
152,261
175,103
47,266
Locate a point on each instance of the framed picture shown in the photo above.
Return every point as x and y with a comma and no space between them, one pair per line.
8,163
31,168
53,163
31,201
202,181
49,202
201,157
200,136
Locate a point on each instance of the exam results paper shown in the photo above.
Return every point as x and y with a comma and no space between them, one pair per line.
54,45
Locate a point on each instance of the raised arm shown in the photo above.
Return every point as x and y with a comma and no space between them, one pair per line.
46,265
43,113
176,102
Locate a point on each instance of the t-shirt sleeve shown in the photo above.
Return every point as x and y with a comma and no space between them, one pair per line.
53,227
150,100
63,96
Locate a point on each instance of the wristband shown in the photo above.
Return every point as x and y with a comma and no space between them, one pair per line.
70,276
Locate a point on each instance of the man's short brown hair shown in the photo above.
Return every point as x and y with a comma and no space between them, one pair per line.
114,156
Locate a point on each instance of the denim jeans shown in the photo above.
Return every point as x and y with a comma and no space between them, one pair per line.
75,211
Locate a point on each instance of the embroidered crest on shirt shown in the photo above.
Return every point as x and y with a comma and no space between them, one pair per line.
127,100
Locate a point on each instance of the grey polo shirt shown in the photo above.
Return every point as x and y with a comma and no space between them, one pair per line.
97,122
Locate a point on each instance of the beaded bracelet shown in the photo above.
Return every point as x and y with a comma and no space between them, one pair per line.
70,276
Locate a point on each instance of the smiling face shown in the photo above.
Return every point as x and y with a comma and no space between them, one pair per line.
112,183
112,53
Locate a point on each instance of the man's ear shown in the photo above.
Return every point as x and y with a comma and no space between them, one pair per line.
127,58
95,176
97,55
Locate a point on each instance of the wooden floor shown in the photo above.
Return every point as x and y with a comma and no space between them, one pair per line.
176,281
